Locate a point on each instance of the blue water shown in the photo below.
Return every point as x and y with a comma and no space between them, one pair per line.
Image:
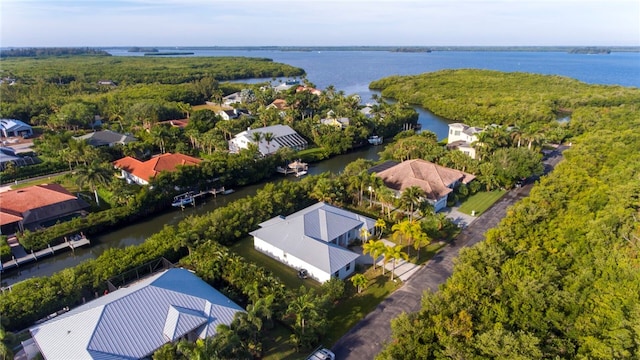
353,71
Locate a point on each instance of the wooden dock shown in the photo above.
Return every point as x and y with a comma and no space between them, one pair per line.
24,257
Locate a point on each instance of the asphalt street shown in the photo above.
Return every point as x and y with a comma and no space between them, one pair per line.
367,338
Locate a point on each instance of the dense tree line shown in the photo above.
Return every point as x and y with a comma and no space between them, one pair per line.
558,278
37,52
484,97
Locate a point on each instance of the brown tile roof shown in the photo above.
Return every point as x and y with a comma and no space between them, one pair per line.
14,203
433,179
280,104
150,168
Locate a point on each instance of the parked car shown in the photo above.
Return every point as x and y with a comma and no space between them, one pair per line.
322,354
303,273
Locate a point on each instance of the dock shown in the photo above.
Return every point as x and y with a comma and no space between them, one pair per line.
297,168
21,257
189,198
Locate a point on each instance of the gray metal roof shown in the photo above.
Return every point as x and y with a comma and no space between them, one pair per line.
306,235
133,322
106,137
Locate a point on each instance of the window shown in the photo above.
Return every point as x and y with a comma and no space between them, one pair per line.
457,133
348,267
337,273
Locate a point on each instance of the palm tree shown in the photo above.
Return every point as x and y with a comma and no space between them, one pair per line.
257,137
375,249
92,175
410,197
323,190
268,137
406,230
420,239
185,108
364,234
303,307
395,253
359,281
386,197
381,226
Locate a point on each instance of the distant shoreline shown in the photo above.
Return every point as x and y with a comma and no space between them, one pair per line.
425,49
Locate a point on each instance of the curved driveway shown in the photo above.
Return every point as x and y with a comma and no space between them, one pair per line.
367,338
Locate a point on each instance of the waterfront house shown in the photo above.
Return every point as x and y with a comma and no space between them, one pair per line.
280,104
436,181
309,89
230,114
37,206
106,138
141,172
283,136
134,321
13,128
461,137
340,123
234,98
315,239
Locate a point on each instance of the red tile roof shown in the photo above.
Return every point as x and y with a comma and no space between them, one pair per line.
14,203
433,179
150,168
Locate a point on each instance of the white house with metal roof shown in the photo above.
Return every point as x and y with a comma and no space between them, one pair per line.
133,322
315,239
283,136
13,127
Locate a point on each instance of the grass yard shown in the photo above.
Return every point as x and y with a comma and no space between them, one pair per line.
288,275
65,180
356,306
213,108
481,201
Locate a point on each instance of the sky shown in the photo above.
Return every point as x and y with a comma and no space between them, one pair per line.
104,23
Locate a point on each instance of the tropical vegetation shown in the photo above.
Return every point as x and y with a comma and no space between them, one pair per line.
558,278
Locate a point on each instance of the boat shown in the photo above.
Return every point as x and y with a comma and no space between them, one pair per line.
375,140
183,199
228,191
301,173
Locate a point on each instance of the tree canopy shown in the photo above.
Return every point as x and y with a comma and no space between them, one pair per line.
558,278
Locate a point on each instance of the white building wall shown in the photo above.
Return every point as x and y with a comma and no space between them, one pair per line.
440,204
296,263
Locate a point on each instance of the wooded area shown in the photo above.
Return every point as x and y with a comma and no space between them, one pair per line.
559,278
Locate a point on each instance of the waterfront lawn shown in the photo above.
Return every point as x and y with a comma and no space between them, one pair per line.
288,275
481,201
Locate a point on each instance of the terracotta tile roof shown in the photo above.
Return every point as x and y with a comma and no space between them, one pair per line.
14,203
150,168
433,179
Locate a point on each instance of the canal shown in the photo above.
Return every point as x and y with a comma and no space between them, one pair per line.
137,233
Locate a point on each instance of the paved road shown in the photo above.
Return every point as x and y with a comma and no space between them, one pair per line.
367,338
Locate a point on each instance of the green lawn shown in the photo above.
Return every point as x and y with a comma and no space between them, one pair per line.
481,201
288,275
356,306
